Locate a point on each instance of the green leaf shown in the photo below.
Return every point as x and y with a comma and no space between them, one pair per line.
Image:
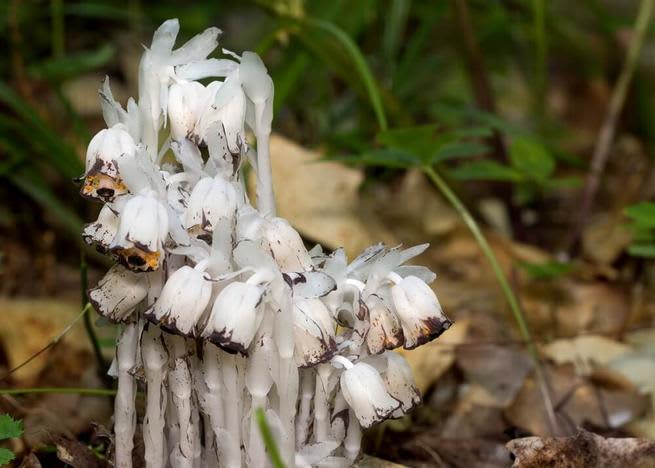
546,271
642,250
486,170
465,149
9,427
562,182
59,69
417,140
531,158
643,213
6,456
392,158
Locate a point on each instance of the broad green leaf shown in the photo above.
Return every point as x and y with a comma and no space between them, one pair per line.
6,456
643,213
9,427
562,182
486,170
546,271
642,250
531,158
464,149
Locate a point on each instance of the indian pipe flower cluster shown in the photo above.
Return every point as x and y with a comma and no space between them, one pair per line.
222,308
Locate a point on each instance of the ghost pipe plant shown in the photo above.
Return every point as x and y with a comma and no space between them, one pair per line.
223,311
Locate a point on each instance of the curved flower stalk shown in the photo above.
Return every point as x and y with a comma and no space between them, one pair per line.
223,309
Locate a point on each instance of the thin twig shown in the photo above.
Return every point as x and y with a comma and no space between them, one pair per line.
608,129
504,285
52,343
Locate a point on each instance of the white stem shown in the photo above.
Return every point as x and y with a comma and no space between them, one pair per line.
211,402
345,362
353,442
265,195
231,409
155,358
321,407
124,404
307,378
394,277
180,385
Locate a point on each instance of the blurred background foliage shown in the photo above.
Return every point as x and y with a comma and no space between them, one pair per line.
503,97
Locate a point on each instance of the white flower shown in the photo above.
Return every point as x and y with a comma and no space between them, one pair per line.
314,330
118,293
107,149
212,199
182,301
187,104
141,233
385,330
235,317
101,232
258,86
286,246
114,114
419,311
400,383
366,394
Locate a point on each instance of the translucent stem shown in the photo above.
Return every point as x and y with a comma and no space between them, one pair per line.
124,404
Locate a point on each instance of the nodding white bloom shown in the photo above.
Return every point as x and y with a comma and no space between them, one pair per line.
183,300
286,246
400,383
315,331
187,104
212,199
107,149
258,87
255,289
235,317
141,233
118,293
419,311
366,394
385,330
101,232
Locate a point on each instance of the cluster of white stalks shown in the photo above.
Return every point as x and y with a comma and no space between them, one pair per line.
222,308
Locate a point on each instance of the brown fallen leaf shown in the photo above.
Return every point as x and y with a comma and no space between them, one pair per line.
430,361
586,351
76,454
583,450
29,325
321,200
368,461
498,370
30,461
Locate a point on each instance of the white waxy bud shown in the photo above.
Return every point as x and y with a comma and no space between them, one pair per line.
419,311
212,198
235,317
189,109
386,331
258,87
141,233
286,246
366,394
314,330
118,293
400,384
107,149
101,232
182,301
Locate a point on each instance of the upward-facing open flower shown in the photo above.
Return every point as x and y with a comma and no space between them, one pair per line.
366,394
400,383
235,317
419,311
182,301
101,232
212,198
141,233
118,293
107,149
